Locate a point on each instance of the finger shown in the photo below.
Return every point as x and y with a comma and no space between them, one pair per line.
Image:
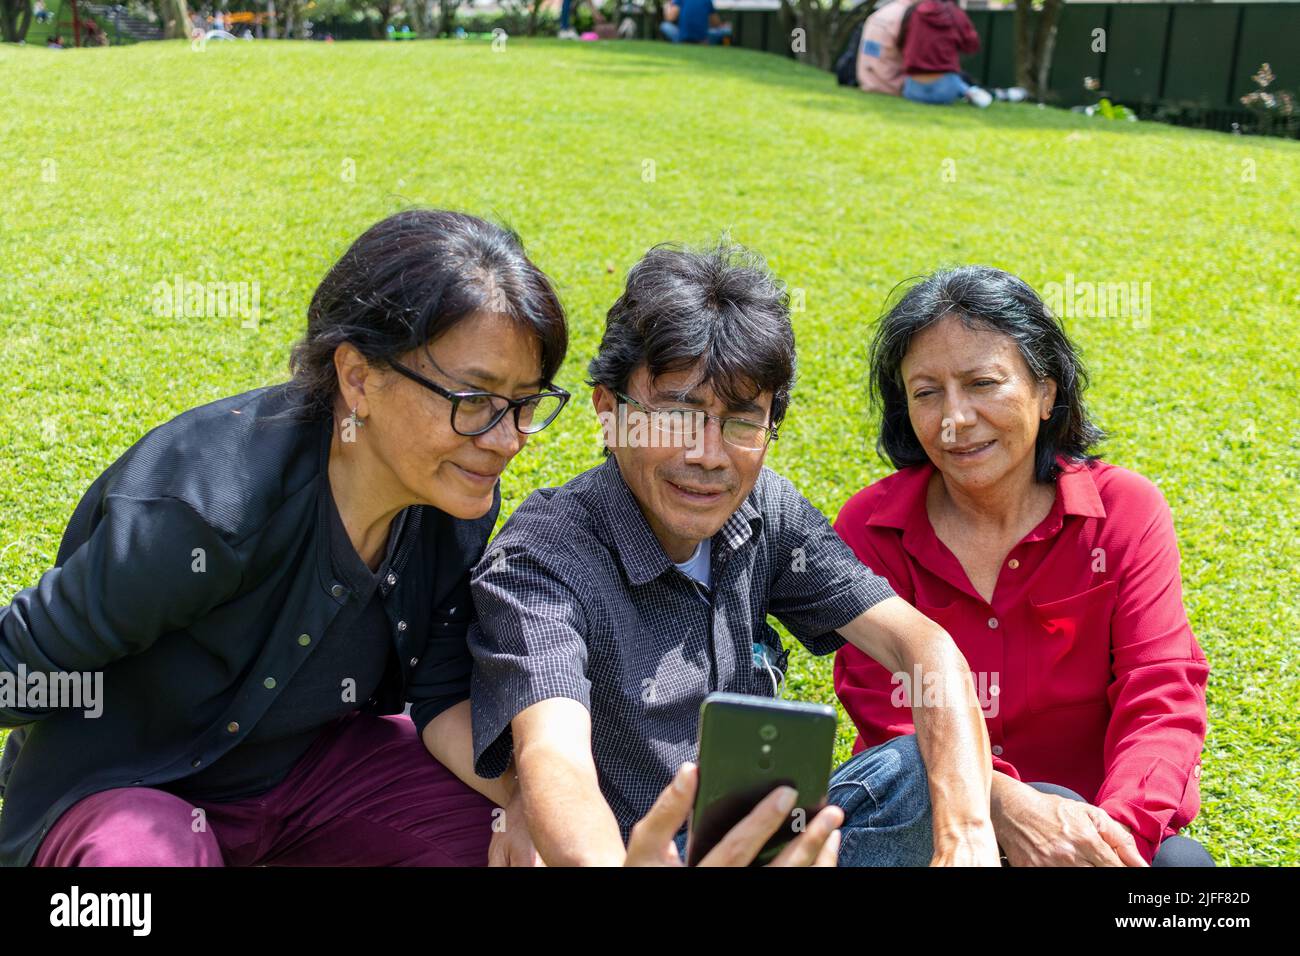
525,855
830,854
744,841
1096,849
497,855
1079,832
660,825
804,849
1097,852
1118,839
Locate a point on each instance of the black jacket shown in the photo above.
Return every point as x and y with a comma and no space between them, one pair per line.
195,568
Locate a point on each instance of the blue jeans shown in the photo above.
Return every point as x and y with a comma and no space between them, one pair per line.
673,33
885,797
946,89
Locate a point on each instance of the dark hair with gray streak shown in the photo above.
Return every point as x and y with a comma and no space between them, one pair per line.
986,298
407,280
720,307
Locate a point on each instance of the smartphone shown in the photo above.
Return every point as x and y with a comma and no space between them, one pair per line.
748,747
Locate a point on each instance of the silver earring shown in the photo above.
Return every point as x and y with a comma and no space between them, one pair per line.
355,420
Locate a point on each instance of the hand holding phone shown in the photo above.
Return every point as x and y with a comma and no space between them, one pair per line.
652,841
752,751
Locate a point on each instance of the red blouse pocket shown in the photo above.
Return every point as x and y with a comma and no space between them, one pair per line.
1068,654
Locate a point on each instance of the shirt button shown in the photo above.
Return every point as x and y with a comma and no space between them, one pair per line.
232,727
195,762
1196,771
391,579
1013,564
993,622
401,625
414,661
997,750
269,683
338,590
304,639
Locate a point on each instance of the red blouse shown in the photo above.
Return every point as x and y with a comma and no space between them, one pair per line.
1086,667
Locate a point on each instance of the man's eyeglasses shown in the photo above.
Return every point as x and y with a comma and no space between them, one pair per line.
476,413
685,426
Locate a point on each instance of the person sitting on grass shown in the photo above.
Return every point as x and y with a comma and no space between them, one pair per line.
694,21
610,607
1056,573
263,582
880,61
934,33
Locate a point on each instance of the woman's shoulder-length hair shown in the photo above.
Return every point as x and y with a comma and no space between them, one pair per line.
987,298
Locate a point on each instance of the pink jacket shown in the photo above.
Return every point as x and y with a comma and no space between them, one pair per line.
880,61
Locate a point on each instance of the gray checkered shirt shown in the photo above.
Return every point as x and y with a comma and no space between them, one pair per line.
576,598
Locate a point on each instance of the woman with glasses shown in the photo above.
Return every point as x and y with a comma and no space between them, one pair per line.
256,591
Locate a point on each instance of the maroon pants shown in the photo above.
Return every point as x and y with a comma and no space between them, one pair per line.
367,793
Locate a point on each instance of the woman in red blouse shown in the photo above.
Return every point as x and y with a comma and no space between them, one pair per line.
1055,573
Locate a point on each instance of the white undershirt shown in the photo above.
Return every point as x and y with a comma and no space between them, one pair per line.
698,564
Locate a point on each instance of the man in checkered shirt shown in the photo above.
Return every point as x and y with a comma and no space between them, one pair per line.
610,607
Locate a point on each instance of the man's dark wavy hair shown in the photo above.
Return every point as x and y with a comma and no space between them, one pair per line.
720,307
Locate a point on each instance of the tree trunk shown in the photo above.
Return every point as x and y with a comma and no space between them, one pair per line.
1035,43
447,16
175,15
272,27
415,15
826,27
1024,43
1045,43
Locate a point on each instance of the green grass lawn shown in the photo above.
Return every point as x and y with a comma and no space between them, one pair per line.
232,165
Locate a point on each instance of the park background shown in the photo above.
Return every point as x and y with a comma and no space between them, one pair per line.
257,163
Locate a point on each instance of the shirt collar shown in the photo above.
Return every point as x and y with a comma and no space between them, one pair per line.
904,508
1076,494
640,552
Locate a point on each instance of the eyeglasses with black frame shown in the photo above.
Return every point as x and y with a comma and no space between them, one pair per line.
477,413
686,425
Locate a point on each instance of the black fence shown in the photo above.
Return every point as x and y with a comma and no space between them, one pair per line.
1181,62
